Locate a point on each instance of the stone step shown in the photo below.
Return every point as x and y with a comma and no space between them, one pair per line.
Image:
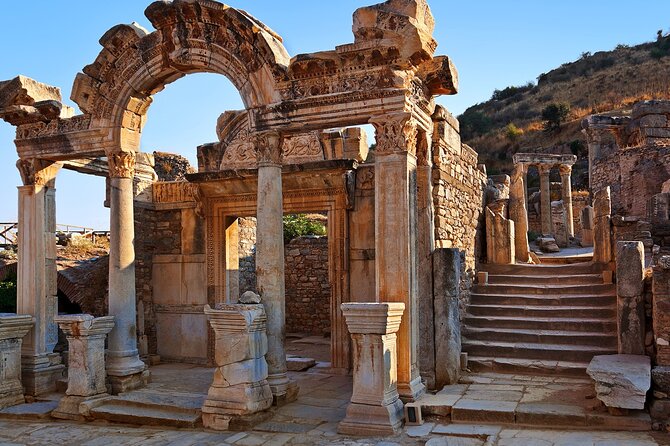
598,339
565,260
542,299
592,289
606,325
544,270
527,366
574,279
152,409
530,311
541,351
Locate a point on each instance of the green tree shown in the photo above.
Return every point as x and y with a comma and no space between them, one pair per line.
474,123
299,226
554,115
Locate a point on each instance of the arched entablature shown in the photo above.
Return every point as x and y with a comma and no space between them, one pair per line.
191,36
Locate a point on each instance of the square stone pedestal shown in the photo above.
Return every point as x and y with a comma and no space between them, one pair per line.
375,408
86,373
12,330
240,390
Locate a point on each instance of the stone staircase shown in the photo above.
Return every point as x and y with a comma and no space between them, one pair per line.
540,319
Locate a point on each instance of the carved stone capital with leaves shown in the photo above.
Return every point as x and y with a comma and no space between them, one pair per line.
395,133
36,172
121,164
268,147
565,170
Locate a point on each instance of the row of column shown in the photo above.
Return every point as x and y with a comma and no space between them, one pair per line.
545,196
37,276
396,264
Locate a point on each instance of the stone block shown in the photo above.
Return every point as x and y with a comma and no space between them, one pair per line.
660,376
630,268
12,330
621,381
296,364
660,410
446,294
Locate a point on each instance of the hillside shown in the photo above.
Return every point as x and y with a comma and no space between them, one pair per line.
608,81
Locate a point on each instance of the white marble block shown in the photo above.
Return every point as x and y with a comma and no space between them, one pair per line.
375,408
86,369
12,330
240,388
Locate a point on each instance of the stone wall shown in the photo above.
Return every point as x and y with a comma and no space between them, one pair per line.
307,286
156,233
307,278
247,252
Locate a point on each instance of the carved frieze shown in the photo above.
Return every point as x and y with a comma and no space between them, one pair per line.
54,127
302,148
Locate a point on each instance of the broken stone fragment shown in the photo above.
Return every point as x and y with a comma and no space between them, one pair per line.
548,244
621,381
250,297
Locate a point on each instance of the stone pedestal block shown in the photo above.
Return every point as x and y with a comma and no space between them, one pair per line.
240,388
86,366
12,330
447,334
630,299
500,240
587,219
375,408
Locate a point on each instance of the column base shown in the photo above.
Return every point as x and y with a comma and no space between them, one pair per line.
373,421
291,394
235,401
410,392
11,394
221,422
122,384
69,406
40,374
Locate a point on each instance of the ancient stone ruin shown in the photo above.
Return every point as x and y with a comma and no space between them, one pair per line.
199,269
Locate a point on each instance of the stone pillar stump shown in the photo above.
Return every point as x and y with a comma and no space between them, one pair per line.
602,232
545,200
86,369
375,408
566,195
630,297
240,390
12,330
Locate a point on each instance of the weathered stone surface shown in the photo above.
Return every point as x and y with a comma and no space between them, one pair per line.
548,244
249,297
296,364
500,239
660,376
12,330
519,213
630,299
602,232
447,335
621,381
376,408
630,269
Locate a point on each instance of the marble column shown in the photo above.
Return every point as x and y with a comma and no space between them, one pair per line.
37,290
239,391
602,228
518,213
86,378
566,194
124,367
270,261
396,258
545,197
12,330
375,408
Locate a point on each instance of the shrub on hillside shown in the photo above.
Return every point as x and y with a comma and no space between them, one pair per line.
474,123
300,226
512,132
554,115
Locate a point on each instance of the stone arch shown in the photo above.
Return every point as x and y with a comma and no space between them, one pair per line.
191,36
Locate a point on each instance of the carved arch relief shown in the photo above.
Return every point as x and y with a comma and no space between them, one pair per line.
190,36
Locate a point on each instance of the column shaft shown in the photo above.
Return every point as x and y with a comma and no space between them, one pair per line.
566,189
270,259
545,196
123,361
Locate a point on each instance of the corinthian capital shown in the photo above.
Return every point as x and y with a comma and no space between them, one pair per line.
121,164
268,147
36,172
565,170
395,133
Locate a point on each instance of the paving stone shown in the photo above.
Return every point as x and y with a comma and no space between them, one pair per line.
438,405
251,440
32,411
419,431
472,430
236,437
291,428
483,411
456,389
493,395
550,414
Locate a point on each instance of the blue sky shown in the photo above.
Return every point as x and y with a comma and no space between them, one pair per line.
493,43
